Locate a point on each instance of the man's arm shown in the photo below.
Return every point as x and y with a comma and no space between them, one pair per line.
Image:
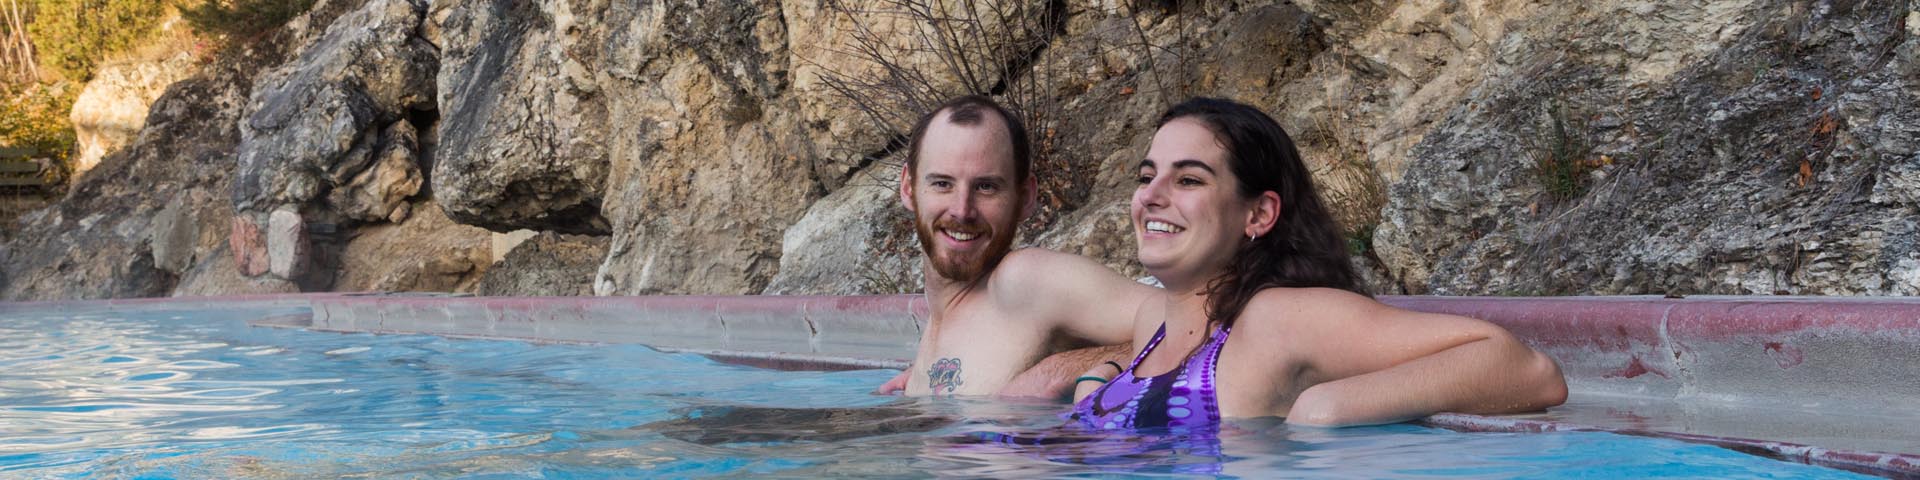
1053,377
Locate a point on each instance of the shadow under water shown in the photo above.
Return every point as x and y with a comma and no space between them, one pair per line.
716,425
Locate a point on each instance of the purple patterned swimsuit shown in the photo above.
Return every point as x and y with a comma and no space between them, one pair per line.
1178,400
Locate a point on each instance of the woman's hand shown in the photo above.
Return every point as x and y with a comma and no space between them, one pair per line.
1086,385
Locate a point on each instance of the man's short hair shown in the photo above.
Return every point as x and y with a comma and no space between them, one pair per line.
970,111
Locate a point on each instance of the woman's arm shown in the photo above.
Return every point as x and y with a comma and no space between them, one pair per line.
1495,374
1370,363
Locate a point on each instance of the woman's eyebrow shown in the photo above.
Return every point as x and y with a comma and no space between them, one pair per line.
1191,163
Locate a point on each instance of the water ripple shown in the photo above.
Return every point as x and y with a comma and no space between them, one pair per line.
200,395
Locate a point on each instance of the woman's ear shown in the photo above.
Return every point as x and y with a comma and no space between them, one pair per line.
1263,216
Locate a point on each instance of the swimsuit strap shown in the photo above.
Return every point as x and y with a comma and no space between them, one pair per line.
1157,336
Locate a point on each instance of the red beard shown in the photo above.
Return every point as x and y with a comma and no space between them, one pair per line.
964,267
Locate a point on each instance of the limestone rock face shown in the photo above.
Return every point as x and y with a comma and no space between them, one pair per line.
525,131
548,264
175,234
427,253
111,110
380,192
315,123
1727,147
1470,146
99,240
702,187
857,240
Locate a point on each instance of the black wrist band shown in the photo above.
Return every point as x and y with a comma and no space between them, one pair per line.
1116,366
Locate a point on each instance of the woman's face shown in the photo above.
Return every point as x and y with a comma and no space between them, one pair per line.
1187,213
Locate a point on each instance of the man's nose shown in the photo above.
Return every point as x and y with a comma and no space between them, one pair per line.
969,205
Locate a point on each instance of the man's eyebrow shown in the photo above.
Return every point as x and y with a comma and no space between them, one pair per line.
1191,163
939,176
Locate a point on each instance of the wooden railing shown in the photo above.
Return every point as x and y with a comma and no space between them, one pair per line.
17,168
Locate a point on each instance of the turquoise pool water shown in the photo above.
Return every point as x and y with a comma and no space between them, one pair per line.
170,394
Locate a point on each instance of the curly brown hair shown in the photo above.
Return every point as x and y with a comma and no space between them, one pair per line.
1305,248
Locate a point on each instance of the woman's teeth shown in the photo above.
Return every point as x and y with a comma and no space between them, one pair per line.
1163,227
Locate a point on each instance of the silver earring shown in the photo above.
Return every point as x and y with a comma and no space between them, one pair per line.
1252,237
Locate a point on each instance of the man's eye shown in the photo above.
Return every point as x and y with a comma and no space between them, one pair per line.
940,184
987,187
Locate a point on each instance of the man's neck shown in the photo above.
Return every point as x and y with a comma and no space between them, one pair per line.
944,295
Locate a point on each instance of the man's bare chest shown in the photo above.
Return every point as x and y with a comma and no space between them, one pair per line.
973,361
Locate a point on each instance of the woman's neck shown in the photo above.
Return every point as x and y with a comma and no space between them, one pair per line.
1186,307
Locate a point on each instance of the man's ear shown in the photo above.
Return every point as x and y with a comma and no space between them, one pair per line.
906,187
1032,190
1265,213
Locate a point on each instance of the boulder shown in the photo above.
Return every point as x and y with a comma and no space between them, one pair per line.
525,135
289,252
216,275
426,253
248,245
175,236
112,109
857,240
314,123
549,264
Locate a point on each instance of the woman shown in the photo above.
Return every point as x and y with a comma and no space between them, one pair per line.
1264,315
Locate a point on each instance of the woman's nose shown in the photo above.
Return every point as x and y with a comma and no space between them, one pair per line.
1153,194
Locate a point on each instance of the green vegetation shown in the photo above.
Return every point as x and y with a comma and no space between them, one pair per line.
242,18
1360,239
35,116
72,36
1560,163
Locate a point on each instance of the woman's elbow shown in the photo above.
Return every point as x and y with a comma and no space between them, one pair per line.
1549,384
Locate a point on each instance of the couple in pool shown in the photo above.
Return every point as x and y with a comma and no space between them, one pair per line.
1261,313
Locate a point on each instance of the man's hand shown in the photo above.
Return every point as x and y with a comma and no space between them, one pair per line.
896,386
1052,378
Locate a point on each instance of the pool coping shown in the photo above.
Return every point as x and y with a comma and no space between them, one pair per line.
1698,349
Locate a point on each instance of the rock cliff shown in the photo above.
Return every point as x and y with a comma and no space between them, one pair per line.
1471,147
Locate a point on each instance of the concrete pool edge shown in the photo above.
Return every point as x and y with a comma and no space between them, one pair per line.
1815,354
1885,464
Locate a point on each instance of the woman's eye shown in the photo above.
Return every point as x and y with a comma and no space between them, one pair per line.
1190,181
1144,179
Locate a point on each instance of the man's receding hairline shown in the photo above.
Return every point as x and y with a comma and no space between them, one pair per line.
975,119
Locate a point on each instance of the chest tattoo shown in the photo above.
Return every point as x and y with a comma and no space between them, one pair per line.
945,375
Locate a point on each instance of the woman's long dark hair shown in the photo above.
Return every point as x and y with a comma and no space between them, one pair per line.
1305,247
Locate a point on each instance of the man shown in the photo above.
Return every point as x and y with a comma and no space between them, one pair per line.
997,312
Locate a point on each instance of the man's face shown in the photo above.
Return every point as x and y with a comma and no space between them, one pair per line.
965,200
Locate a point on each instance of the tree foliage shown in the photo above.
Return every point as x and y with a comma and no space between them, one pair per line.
72,36
242,18
35,116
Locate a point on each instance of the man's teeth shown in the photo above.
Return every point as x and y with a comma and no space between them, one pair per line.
962,236
1163,227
